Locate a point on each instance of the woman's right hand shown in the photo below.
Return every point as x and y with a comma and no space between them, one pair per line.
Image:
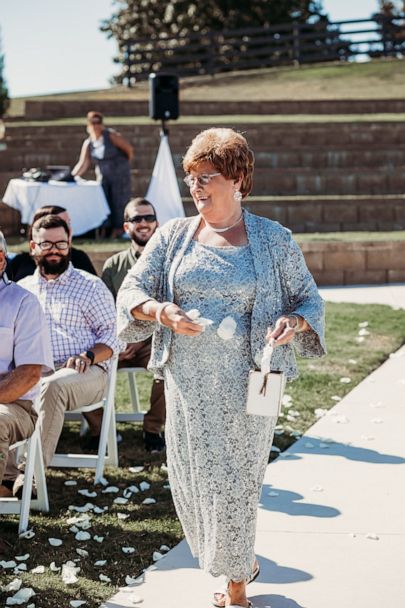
173,317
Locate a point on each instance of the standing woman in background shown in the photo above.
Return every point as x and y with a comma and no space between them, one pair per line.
111,154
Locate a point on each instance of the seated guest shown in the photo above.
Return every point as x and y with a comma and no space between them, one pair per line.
23,264
140,223
25,352
81,318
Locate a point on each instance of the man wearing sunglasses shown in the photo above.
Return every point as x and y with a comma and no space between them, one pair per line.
81,318
140,223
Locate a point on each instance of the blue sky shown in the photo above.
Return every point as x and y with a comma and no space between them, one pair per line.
52,46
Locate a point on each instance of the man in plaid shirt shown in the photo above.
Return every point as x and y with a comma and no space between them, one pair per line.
81,317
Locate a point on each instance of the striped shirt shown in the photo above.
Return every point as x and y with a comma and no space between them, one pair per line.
80,312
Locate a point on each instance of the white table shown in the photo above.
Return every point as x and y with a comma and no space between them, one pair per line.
85,201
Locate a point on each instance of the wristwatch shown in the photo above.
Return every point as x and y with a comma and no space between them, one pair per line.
90,355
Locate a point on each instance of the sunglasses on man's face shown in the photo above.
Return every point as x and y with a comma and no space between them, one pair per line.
137,219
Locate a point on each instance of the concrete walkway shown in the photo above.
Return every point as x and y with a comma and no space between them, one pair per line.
331,525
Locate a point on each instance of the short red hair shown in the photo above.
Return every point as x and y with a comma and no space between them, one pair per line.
227,150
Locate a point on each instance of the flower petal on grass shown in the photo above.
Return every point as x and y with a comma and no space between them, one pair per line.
22,558
77,603
144,485
69,573
128,550
21,597
104,579
149,501
135,469
130,581
87,493
164,548
166,486
99,510
82,535
364,332
54,568
156,556
21,568
320,412
120,500
98,539
122,515
336,398
15,585
82,552
84,509
345,380
55,542
100,562
70,482
363,324
110,490
38,570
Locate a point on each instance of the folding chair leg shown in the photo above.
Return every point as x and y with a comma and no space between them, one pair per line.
133,389
27,487
108,440
42,502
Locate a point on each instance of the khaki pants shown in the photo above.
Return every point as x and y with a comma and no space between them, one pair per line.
17,422
64,390
154,419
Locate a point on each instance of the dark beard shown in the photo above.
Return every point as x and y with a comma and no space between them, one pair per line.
47,267
138,241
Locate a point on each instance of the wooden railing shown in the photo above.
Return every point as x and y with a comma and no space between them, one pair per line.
253,48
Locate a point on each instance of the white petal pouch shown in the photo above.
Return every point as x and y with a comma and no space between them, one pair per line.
265,388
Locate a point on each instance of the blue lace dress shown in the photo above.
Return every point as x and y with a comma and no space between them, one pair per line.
216,453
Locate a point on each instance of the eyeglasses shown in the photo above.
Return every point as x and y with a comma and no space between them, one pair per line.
47,245
137,219
201,180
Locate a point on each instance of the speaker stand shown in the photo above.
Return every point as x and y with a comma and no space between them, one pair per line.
164,129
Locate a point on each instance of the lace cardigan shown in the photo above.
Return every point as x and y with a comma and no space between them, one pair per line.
284,286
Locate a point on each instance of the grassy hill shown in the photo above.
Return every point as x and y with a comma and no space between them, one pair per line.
379,79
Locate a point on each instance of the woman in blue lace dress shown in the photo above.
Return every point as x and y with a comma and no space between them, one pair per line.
213,289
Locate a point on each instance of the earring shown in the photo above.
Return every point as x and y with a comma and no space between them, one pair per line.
237,195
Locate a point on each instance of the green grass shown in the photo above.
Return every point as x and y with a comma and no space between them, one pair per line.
378,79
18,244
150,526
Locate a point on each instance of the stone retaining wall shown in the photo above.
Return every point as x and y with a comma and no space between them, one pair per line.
341,263
48,110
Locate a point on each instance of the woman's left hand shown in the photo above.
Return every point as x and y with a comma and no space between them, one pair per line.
282,333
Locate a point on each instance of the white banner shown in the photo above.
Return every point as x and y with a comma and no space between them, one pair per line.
163,191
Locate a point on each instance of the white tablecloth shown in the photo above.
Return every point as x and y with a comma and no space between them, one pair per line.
85,201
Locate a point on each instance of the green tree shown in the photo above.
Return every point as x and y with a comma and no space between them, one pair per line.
4,99
152,22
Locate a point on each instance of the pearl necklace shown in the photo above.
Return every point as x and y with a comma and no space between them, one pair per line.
224,229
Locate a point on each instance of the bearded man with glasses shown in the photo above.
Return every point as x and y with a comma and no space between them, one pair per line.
82,322
140,223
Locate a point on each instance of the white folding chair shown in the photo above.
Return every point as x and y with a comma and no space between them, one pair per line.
34,469
107,449
136,415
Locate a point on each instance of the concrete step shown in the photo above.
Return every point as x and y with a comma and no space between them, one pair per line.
43,109
40,155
